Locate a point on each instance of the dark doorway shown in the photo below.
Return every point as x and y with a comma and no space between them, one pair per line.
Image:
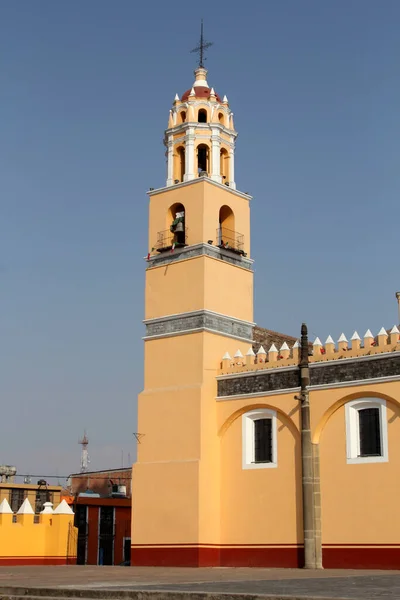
106,536
127,550
82,525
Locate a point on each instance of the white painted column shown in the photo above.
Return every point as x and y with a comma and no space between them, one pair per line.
216,156
170,162
232,183
189,155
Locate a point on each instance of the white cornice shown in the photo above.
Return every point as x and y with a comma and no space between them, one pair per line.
196,181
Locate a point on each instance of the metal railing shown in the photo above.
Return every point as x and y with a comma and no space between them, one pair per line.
167,240
230,240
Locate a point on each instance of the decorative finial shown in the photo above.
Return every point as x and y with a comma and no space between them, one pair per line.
203,45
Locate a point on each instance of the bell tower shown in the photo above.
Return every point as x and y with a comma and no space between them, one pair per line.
198,305
200,138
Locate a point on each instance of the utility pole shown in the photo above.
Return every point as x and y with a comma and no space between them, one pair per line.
312,553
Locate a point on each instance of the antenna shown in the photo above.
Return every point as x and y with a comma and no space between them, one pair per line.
398,301
202,47
84,442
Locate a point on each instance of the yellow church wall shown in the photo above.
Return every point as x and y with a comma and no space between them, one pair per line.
199,283
358,500
51,540
260,506
168,494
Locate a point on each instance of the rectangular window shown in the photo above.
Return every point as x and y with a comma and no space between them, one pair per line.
366,431
370,432
259,439
17,496
263,440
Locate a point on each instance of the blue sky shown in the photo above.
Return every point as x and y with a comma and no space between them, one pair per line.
85,89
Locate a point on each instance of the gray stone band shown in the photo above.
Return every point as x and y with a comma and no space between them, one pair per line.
165,258
197,321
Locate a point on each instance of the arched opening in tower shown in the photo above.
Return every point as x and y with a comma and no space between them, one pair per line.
179,166
202,159
221,118
202,116
183,116
226,231
176,224
224,165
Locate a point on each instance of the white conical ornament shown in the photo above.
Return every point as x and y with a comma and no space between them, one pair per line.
382,331
63,509
342,338
5,508
273,348
176,99
192,92
26,508
317,342
226,356
355,336
368,334
250,351
238,354
284,346
395,329
261,350
329,340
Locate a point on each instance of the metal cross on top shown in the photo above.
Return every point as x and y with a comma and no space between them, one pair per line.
203,45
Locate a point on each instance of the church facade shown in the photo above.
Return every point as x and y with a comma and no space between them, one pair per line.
257,449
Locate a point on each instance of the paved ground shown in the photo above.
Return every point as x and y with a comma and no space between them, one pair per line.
337,584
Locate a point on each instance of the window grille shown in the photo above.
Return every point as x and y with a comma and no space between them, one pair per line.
370,432
263,440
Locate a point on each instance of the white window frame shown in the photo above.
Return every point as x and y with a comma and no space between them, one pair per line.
248,439
353,430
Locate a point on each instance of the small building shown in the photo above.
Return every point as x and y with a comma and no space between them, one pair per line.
105,483
101,501
37,494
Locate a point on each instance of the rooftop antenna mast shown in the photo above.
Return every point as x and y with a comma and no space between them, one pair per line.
84,442
202,47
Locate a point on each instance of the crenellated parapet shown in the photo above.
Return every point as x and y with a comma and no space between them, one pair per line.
285,356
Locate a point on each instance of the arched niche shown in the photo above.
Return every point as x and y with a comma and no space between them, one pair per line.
224,165
203,159
179,163
202,115
176,225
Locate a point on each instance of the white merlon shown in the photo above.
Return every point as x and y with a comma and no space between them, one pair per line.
226,356
238,354
395,329
317,342
26,508
355,336
342,338
63,509
382,331
284,346
5,508
250,351
273,348
212,93
329,340
368,334
261,350
192,92
296,344
47,508
176,99
225,99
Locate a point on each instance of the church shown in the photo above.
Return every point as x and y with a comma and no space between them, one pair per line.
257,449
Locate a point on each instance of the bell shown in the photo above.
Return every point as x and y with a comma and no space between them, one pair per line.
179,227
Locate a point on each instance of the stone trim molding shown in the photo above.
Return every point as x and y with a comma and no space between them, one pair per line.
201,249
198,320
199,180
379,368
292,390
